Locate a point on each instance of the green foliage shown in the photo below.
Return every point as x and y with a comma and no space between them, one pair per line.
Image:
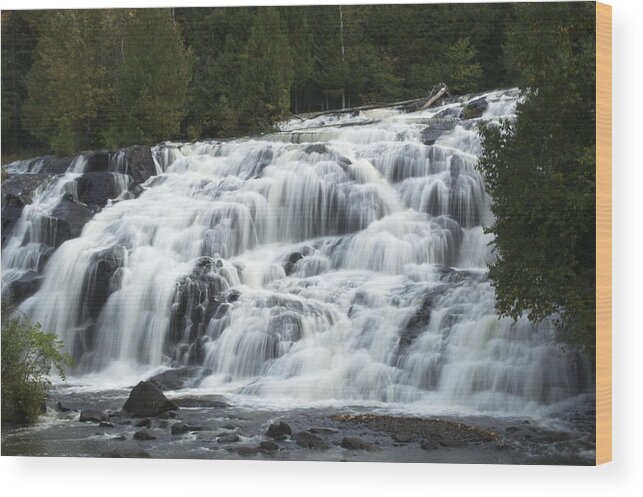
464,72
106,78
540,171
266,73
28,355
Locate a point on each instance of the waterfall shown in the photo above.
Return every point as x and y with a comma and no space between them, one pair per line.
340,259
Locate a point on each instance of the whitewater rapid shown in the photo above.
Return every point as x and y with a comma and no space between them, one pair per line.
342,259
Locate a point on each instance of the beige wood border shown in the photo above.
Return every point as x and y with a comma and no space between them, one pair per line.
603,233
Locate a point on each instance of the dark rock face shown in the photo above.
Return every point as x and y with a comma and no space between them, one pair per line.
309,441
100,286
146,399
25,286
475,108
435,130
132,453
92,415
140,163
228,438
18,191
198,297
279,430
97,162
96,188
68,220
144,435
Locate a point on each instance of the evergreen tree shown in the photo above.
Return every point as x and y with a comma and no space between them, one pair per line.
464,72
266,73
540,171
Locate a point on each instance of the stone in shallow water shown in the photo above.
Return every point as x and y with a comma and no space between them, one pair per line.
228,438
179,429
268,446
92,416
309,441
144,435
133,453
279,430
354,443
146,400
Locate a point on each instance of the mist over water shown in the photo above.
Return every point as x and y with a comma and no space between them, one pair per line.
340,260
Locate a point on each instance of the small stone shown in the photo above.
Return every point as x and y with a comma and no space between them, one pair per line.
126,453
354,443
92,416
144,423
309,441
179,429
144,435
279,430
269,446
228,438
247,451
105,424
429,445
402,437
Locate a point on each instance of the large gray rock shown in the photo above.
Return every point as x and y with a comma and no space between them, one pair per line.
23,287
146,399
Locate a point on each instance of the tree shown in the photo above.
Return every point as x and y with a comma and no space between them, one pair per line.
464,72
28,356
540,171
18,44
106,78
266,73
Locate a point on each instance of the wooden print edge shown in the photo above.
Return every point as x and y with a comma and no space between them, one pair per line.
603,233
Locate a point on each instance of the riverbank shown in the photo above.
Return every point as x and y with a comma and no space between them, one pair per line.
216,428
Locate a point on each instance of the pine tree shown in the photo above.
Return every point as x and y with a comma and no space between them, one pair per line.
266,73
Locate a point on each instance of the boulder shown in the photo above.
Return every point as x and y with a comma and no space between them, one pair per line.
105,424
92,415
309,441
429,445
279,430
144,435
147,400
144,423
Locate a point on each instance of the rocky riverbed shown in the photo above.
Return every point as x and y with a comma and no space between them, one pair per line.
87,424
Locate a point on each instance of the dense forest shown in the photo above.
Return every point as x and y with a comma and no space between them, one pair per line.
81,79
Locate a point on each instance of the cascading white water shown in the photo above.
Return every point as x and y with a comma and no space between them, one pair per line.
320,263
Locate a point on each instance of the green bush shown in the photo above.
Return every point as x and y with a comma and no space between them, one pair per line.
28,355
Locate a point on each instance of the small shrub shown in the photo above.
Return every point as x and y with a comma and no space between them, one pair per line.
28,355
